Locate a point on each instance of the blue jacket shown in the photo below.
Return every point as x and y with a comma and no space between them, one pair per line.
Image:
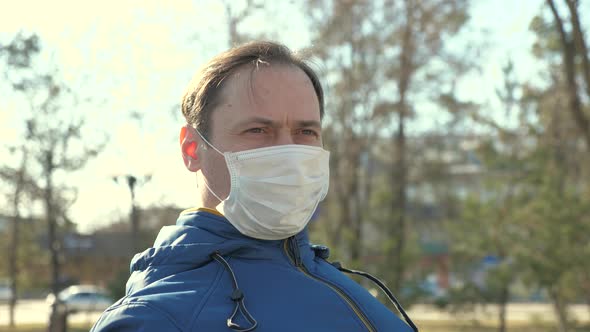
181,285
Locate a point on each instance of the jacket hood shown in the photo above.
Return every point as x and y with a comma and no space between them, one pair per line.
190,243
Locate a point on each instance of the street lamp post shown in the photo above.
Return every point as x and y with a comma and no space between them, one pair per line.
132,183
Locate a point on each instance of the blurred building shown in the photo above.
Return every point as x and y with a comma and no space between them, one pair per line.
100,257
96,258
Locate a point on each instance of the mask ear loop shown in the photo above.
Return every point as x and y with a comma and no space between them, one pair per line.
210,190
208,143
204,178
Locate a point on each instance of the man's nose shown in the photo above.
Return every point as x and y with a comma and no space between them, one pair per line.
284,137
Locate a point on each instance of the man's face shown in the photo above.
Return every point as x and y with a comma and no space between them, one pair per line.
269,106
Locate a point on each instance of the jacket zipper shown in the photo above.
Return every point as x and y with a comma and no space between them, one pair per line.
292,250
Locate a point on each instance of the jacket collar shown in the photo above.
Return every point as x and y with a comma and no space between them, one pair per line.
197,234
216,223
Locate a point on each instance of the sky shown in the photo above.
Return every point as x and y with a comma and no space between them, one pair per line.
136,57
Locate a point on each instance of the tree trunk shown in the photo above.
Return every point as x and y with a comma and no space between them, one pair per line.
400,202
355,208
356,243
13,260
335,235
14,244
356,147
586,289
560,308
400,169
502,303
364,195
54,247
58,321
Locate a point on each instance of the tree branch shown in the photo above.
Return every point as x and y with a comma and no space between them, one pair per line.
569,67
580,42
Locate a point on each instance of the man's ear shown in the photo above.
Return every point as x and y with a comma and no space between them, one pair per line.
189,142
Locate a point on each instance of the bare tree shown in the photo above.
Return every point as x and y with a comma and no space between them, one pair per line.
17,54
52,141
378,57
55,142
353,60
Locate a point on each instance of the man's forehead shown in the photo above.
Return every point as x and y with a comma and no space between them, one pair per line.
252,76
268,90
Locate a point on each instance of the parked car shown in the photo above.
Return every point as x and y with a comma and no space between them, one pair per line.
82,298
5,291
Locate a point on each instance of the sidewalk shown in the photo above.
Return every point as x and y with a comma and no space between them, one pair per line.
515,312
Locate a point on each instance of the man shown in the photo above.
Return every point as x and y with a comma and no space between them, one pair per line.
242,260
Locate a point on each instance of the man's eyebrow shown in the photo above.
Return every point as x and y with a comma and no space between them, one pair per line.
309,123
256,119
269,122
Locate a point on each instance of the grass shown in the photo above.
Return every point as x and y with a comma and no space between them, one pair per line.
478,327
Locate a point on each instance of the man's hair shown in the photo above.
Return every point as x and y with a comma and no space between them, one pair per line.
204,92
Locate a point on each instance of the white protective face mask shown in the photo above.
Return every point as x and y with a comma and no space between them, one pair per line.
274,190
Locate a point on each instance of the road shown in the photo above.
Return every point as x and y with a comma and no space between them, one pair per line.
37,312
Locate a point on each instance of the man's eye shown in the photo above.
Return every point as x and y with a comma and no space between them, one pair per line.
309,132
255,130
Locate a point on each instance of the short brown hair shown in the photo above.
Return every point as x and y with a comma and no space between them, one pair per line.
203,93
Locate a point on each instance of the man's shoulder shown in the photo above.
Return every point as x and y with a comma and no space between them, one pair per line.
135,315
162,305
